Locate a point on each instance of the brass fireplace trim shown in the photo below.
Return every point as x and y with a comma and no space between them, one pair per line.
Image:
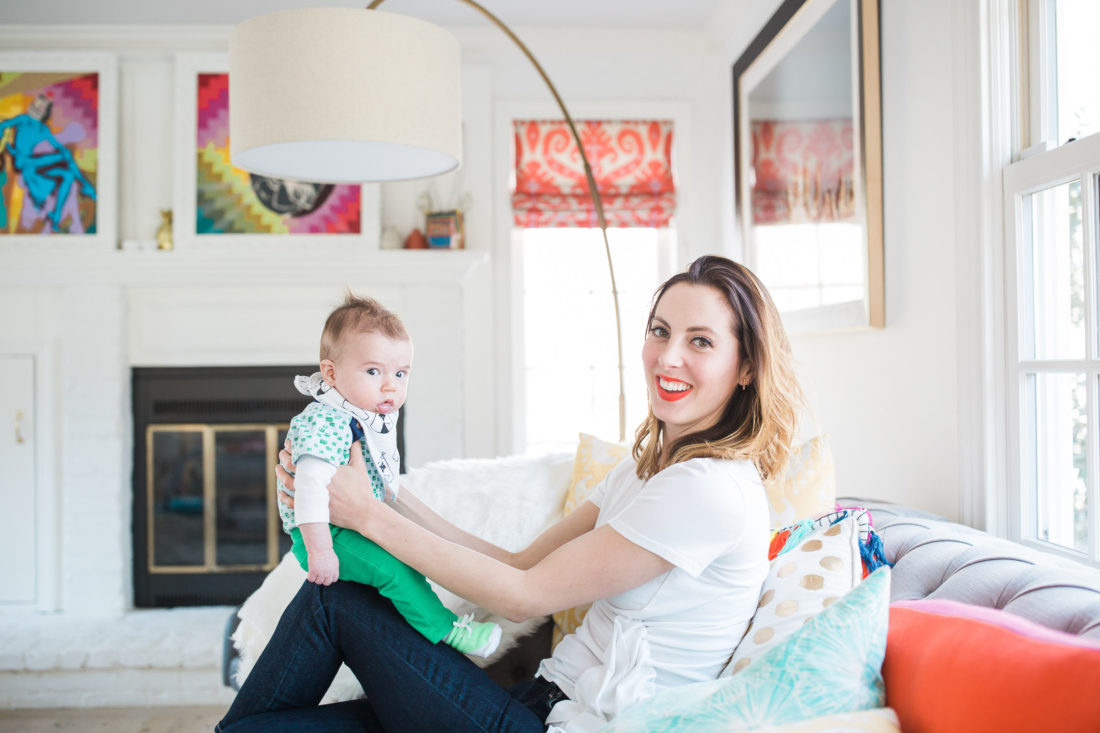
208,432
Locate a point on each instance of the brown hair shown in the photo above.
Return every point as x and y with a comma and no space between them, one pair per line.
359,314
759,422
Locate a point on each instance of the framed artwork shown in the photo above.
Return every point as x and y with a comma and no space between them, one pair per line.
58,149
218,204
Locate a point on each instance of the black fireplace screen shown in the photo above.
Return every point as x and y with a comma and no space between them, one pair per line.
205,524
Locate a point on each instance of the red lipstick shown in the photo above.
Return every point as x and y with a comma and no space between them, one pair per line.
669,395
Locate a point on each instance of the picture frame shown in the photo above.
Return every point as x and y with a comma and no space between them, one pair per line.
815,65
59,187
218,206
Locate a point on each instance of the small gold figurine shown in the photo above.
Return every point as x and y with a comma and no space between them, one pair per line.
164,231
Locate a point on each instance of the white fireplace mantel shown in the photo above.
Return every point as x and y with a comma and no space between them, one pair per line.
254,266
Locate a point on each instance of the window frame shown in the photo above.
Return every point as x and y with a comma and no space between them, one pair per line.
1037,163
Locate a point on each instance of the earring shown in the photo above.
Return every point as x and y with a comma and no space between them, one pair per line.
744,386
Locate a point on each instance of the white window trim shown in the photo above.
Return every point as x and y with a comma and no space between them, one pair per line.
984,108
507,265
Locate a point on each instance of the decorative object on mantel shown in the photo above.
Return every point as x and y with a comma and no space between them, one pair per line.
391,238
445,230
416,240
164,231
58,154
444,226
337,109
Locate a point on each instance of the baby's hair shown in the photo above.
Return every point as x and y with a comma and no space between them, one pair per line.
359,314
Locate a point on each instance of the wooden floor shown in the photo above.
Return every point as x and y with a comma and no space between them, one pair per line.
116,720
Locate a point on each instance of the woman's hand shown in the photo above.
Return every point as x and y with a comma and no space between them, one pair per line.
351,501
284,470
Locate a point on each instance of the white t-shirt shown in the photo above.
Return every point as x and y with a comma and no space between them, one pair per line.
709,518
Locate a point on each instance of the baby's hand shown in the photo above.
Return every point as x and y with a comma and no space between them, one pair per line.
324,567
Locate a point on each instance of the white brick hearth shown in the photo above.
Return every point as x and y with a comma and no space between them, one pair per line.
142,658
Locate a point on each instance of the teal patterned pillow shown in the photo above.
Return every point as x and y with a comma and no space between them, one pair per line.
833,664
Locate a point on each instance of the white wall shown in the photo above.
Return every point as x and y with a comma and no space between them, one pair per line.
888,398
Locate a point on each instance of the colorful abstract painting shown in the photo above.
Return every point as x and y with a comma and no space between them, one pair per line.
49,152
229,200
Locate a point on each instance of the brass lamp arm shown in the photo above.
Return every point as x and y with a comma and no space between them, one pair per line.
592,190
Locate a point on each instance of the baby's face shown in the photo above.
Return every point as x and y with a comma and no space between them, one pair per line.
371,370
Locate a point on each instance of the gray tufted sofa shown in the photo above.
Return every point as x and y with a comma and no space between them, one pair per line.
934,558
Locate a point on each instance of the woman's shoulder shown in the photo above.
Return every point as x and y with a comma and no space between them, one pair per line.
719,470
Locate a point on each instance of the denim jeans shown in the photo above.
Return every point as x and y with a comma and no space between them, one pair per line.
410,683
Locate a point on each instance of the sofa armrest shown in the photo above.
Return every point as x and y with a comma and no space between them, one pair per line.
935,558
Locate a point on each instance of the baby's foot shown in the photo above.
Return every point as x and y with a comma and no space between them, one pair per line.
473,637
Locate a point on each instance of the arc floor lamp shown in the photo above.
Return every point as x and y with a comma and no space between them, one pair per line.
345,95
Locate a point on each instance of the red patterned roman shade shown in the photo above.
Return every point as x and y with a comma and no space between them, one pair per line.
631,161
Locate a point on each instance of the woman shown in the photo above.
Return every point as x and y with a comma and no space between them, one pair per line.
671,549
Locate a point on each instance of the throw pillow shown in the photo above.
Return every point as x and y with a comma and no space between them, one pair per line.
877,720
830,665
807,488
800,584
870,544
595,459
952,666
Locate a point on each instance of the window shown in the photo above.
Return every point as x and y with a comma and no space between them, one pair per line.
570,364
1051,207
569,356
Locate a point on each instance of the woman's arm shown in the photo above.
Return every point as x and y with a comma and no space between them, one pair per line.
571,563
409,505
574,525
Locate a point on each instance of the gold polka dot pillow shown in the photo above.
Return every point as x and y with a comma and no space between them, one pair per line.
595,459
801,582
808,486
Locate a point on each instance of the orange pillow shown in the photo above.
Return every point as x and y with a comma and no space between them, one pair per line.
954,667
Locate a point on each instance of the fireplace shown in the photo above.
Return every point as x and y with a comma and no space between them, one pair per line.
205,524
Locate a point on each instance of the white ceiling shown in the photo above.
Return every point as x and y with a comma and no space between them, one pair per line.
621,14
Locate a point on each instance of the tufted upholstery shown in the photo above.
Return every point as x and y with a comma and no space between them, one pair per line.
934,558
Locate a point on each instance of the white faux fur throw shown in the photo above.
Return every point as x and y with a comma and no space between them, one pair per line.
507,501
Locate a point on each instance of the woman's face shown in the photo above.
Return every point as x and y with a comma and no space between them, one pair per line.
691,359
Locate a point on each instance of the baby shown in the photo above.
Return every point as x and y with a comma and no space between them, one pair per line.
366,355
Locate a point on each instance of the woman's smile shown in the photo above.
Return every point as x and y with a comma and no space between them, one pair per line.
671,389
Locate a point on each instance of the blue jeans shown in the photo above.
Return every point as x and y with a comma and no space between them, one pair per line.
410,683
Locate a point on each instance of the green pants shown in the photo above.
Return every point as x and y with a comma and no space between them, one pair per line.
362,561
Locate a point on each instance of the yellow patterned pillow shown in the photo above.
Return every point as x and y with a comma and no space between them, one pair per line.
595,458
807,488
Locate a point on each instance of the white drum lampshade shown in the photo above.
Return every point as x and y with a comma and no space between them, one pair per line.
344,95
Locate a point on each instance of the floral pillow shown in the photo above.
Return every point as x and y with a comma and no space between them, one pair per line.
832,664
872,552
